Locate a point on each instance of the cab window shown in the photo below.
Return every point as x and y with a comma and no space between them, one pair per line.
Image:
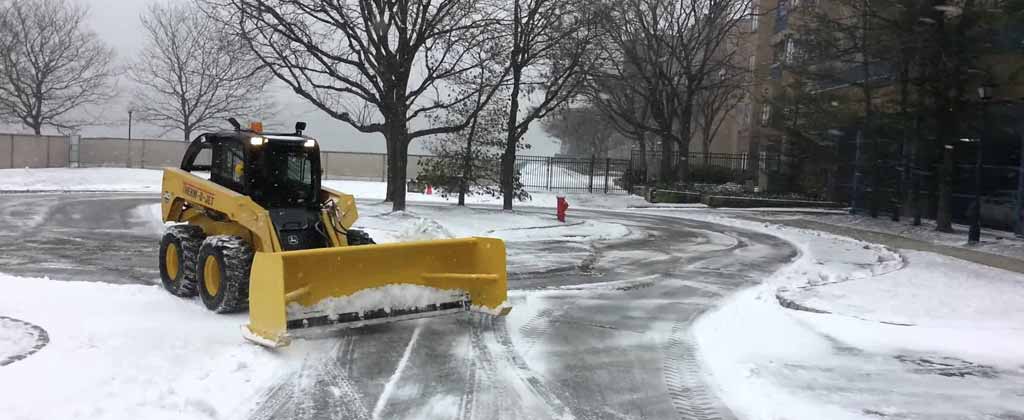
228,168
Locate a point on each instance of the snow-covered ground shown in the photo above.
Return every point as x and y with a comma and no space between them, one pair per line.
80,179
148,180
128,351
877,334
992,241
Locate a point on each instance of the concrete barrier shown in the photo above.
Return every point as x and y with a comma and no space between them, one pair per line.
21,151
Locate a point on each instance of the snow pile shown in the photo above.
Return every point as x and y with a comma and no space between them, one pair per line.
920,336
388,298
16,339
80,179
442,222
119,352
932,291
149,218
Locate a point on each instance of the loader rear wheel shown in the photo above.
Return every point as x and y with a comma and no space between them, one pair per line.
178,250
358,237
223,273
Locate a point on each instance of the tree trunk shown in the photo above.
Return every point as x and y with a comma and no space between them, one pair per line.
467,163
398,160
389,165
683,166
508,158
641,174
666,175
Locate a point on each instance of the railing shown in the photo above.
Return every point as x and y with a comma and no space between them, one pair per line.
573,174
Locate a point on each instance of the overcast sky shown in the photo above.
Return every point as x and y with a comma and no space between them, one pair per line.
117,23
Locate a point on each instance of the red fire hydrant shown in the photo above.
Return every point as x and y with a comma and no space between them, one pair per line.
562,207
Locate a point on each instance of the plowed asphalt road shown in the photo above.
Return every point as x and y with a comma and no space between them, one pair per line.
600,334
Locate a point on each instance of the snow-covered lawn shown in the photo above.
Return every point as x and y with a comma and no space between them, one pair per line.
80,179
992,241
914,335
148,180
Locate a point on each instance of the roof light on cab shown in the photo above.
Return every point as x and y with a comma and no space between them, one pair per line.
310,143
257,141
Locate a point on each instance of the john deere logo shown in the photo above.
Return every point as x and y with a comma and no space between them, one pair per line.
293,239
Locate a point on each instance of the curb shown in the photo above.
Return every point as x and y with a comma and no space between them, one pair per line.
42,339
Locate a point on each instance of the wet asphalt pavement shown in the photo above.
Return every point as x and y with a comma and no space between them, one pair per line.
598,331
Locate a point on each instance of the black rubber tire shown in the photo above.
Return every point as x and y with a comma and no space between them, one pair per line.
234,256
188,239
358,237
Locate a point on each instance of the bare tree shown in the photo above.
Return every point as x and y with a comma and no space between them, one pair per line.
192,73
714,102
396,56
665,51
50,64
550,41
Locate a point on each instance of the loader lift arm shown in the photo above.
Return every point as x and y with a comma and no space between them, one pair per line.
263,233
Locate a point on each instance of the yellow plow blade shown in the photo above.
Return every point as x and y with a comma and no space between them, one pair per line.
360,285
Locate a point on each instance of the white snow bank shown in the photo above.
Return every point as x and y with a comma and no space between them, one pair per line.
442,222
132,352
80,179
769,362
16,338
390,297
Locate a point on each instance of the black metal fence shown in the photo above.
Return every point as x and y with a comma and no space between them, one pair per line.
573,174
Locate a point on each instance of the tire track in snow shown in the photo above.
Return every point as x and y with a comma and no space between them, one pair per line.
300,394
682,373
531,379
481,376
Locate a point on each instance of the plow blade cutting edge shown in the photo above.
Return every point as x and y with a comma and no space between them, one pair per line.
360,285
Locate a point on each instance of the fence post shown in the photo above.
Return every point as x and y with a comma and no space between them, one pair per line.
384,167
47,152
12,150
590,186
548,184
142,157
607,165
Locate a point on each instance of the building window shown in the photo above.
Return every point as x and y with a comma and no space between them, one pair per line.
753,64
766,114
790,50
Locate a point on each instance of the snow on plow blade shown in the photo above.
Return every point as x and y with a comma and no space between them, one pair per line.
360,285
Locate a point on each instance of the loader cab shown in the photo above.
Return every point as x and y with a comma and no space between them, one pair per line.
275,170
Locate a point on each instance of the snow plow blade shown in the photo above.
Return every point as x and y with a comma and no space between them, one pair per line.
360,285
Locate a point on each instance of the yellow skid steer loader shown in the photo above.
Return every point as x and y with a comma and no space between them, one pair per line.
261,233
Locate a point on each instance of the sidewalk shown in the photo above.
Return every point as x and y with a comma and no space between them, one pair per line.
902,242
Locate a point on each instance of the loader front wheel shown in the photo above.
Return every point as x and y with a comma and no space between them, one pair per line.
178,250
223,273
358,237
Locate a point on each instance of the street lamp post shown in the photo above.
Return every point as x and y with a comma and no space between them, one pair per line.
985,94
130,112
